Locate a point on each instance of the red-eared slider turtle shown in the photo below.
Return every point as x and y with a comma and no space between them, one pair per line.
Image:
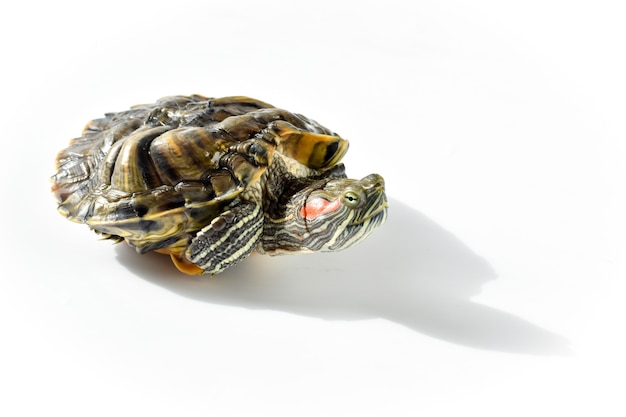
209,180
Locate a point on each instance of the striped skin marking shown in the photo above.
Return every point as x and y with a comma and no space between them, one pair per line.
362,208
209,180
232,229
354,233
318,206
228,239
248,245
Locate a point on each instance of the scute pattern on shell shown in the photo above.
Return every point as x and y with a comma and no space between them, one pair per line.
157,173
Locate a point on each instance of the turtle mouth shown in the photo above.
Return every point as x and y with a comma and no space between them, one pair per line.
358,231
380,211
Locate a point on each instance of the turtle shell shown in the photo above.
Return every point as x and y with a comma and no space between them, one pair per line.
155,174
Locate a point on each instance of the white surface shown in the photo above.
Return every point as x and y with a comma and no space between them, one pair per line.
495,289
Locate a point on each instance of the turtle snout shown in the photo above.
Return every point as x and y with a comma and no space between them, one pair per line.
374,187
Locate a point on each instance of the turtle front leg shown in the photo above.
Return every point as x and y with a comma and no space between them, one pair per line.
227,240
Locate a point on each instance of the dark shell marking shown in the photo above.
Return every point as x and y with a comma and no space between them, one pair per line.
157,174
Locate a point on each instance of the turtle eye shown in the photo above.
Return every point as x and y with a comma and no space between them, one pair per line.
351,199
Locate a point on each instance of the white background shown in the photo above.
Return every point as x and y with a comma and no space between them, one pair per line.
495,289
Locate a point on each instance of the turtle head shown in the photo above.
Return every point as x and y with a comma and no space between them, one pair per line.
327,215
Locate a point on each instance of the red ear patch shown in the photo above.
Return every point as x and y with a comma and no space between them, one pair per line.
317,207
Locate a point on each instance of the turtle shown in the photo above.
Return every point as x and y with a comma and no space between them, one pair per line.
210,180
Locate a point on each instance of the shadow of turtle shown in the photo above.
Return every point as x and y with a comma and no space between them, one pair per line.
411,272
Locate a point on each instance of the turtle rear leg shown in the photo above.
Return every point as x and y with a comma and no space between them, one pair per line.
227,240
